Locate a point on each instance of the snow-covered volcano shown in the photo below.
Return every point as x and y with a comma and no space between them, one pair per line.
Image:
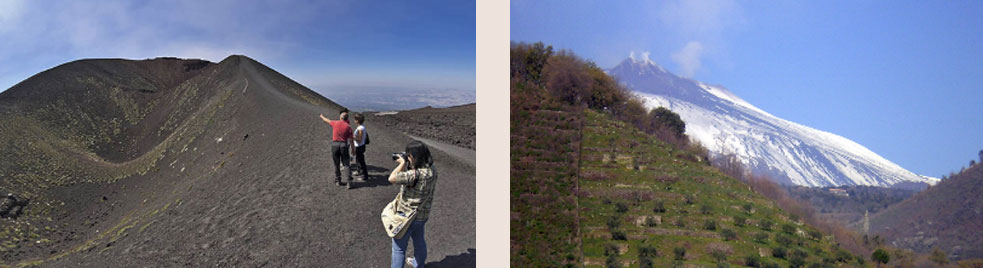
786,151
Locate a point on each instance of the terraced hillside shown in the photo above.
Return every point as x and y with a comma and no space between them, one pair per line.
545,152
644,203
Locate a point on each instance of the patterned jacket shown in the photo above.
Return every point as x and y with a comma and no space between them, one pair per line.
417,189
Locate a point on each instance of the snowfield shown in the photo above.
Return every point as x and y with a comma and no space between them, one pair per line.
787,151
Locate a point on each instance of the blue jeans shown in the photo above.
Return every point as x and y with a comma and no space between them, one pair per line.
419,246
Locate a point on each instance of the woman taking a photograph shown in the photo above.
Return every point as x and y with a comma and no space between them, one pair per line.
418,178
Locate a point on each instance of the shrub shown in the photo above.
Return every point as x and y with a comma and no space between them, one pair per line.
664,119
880,256
528,60
614,222
783,240
612,262
796,262
761,237
566,77
719,251
647,252
644,262
710,225
752,260
815,234
728,234
788,228
690,199
740,221
680,223
618,235
793,217
800,253
660,207
748,208
610,249
620,207
605,92
770,265
650,221
843,256
938,256
705,209
766,225
717,255
778,252
679,252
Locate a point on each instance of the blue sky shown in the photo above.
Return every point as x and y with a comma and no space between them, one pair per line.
902,78
329,45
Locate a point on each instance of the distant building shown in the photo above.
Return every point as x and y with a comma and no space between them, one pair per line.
838,192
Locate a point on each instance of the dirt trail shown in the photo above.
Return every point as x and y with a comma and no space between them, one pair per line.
256,189
457,152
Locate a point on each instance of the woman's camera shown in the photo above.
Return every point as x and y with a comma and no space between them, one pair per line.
399,155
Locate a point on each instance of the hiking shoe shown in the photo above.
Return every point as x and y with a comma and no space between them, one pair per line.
338,183
411,261
349,185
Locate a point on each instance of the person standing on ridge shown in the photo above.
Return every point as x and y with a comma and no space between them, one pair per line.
361,139
341,145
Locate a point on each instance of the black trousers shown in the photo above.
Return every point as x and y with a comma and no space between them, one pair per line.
360,161
339,153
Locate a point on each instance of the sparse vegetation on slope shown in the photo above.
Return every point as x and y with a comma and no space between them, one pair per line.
946,216
663,201
597,180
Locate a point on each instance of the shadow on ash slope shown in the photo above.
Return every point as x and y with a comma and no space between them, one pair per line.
229,166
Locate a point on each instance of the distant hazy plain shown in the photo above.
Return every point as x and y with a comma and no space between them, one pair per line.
368,98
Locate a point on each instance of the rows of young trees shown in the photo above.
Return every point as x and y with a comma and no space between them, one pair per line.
847,239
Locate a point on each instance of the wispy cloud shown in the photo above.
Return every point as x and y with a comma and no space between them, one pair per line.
701,27
688,58
136,29
10,11
642,56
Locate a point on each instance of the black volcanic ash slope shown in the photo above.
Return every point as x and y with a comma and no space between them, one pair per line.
454,125
170,162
